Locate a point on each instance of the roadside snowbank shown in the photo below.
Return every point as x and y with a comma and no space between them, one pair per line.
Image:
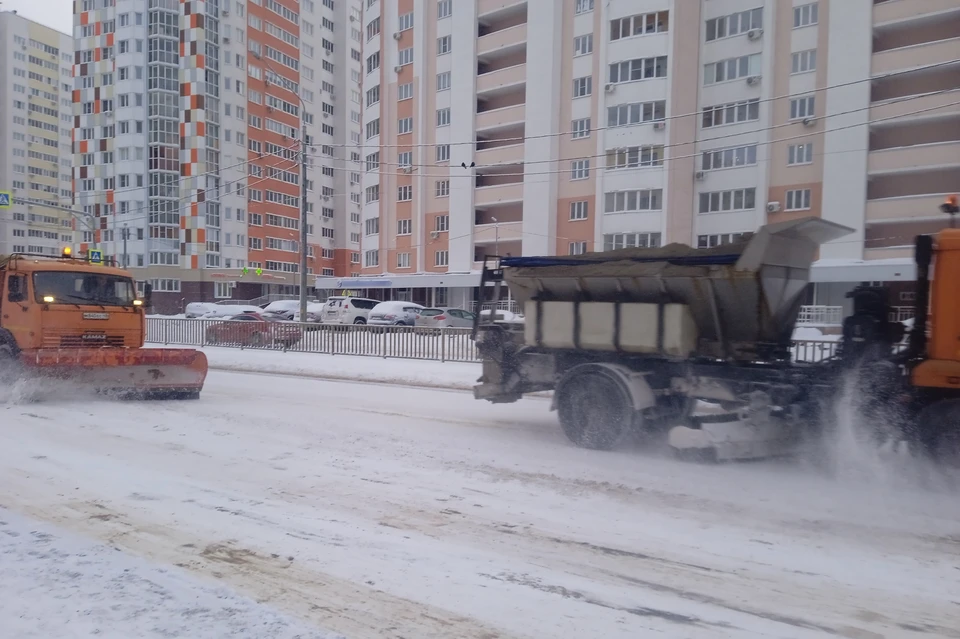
412,372
55,584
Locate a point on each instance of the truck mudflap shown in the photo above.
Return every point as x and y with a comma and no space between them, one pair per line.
129,372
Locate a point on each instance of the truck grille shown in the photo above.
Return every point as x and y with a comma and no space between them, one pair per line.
90,340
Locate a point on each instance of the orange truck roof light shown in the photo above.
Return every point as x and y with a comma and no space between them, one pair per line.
951,206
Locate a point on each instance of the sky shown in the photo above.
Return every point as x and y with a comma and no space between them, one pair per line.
52,13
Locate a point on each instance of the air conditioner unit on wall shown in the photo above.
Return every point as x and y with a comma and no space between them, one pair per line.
753,80
659,126
809,121
773,207
397,68
754,34
699,175
396,35
609,88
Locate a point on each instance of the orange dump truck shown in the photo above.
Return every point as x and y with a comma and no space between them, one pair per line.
65,318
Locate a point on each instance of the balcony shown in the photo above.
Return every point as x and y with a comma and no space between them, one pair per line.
505,249
916,82
501,81
511,153
505,231
922,181
914,56
504,40
939,104
890,11
498,9
503,117
914,158
498,193
898,208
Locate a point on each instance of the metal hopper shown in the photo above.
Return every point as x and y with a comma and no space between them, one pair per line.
744,296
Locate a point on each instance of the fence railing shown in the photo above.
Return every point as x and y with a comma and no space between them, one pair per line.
818,315
405,342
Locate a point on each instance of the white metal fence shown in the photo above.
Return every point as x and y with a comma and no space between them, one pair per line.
404,342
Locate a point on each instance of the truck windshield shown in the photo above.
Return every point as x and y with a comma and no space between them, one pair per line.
83,288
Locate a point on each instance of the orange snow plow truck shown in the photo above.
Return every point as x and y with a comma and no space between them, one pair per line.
68,319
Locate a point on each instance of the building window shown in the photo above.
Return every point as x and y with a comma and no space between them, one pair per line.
577,248
729,157
441,223
803,61
444,9
403,260
443,117
731,113
634,156
719,239
578,210
442,188
371,258
582,45
805,15
582,87
443,45
441,258
405,22
405,159
734,24
644,23
373,193
443,153
405,91
731,69
404,227
372,226
404,125
223,290
404,193
633,201
798,200
726,201
580,169
405,56
636,113
638,69
580,128
443,81
614,241
801,108
583,6
800,154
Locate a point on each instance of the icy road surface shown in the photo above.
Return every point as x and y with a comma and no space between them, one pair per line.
382,511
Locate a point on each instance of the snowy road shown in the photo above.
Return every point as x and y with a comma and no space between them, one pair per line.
383,511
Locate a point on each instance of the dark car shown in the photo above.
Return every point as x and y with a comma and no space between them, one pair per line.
254,329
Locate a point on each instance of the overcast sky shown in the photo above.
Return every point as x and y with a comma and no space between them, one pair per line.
53,13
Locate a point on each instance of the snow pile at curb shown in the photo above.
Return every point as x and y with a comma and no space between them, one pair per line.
410,372
57,585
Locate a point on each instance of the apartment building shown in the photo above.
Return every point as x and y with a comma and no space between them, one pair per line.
35,125
188,119
566,126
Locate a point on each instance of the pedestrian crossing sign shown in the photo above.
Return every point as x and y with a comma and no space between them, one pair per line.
95,256
6,199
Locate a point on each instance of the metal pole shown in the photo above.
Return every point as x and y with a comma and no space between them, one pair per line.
303,219
125,232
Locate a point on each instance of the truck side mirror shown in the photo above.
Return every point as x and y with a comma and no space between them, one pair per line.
16,288
147,294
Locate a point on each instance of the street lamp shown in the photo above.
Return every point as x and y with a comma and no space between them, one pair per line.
303,188
496,235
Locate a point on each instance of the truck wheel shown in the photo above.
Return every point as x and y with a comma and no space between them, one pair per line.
10,370
595,411
939,425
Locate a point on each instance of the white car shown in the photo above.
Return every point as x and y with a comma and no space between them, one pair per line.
199,309
347,310
394,314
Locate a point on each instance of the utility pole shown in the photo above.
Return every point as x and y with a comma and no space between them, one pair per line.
125,233
303,217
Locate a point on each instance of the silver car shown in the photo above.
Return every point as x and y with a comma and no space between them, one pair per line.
431,318
394,314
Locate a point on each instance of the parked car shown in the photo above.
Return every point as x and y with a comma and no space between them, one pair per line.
285,307
253,329
198,309
314,316
347,310
437,318
394,314
229,310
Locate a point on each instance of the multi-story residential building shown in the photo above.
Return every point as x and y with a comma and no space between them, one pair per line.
566,126
188,140
35,126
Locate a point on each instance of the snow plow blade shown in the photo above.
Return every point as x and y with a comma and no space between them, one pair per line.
131,373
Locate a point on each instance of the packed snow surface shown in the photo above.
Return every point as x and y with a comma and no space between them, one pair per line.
306,507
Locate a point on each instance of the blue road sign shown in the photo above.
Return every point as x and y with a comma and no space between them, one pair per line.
95,257
6,199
